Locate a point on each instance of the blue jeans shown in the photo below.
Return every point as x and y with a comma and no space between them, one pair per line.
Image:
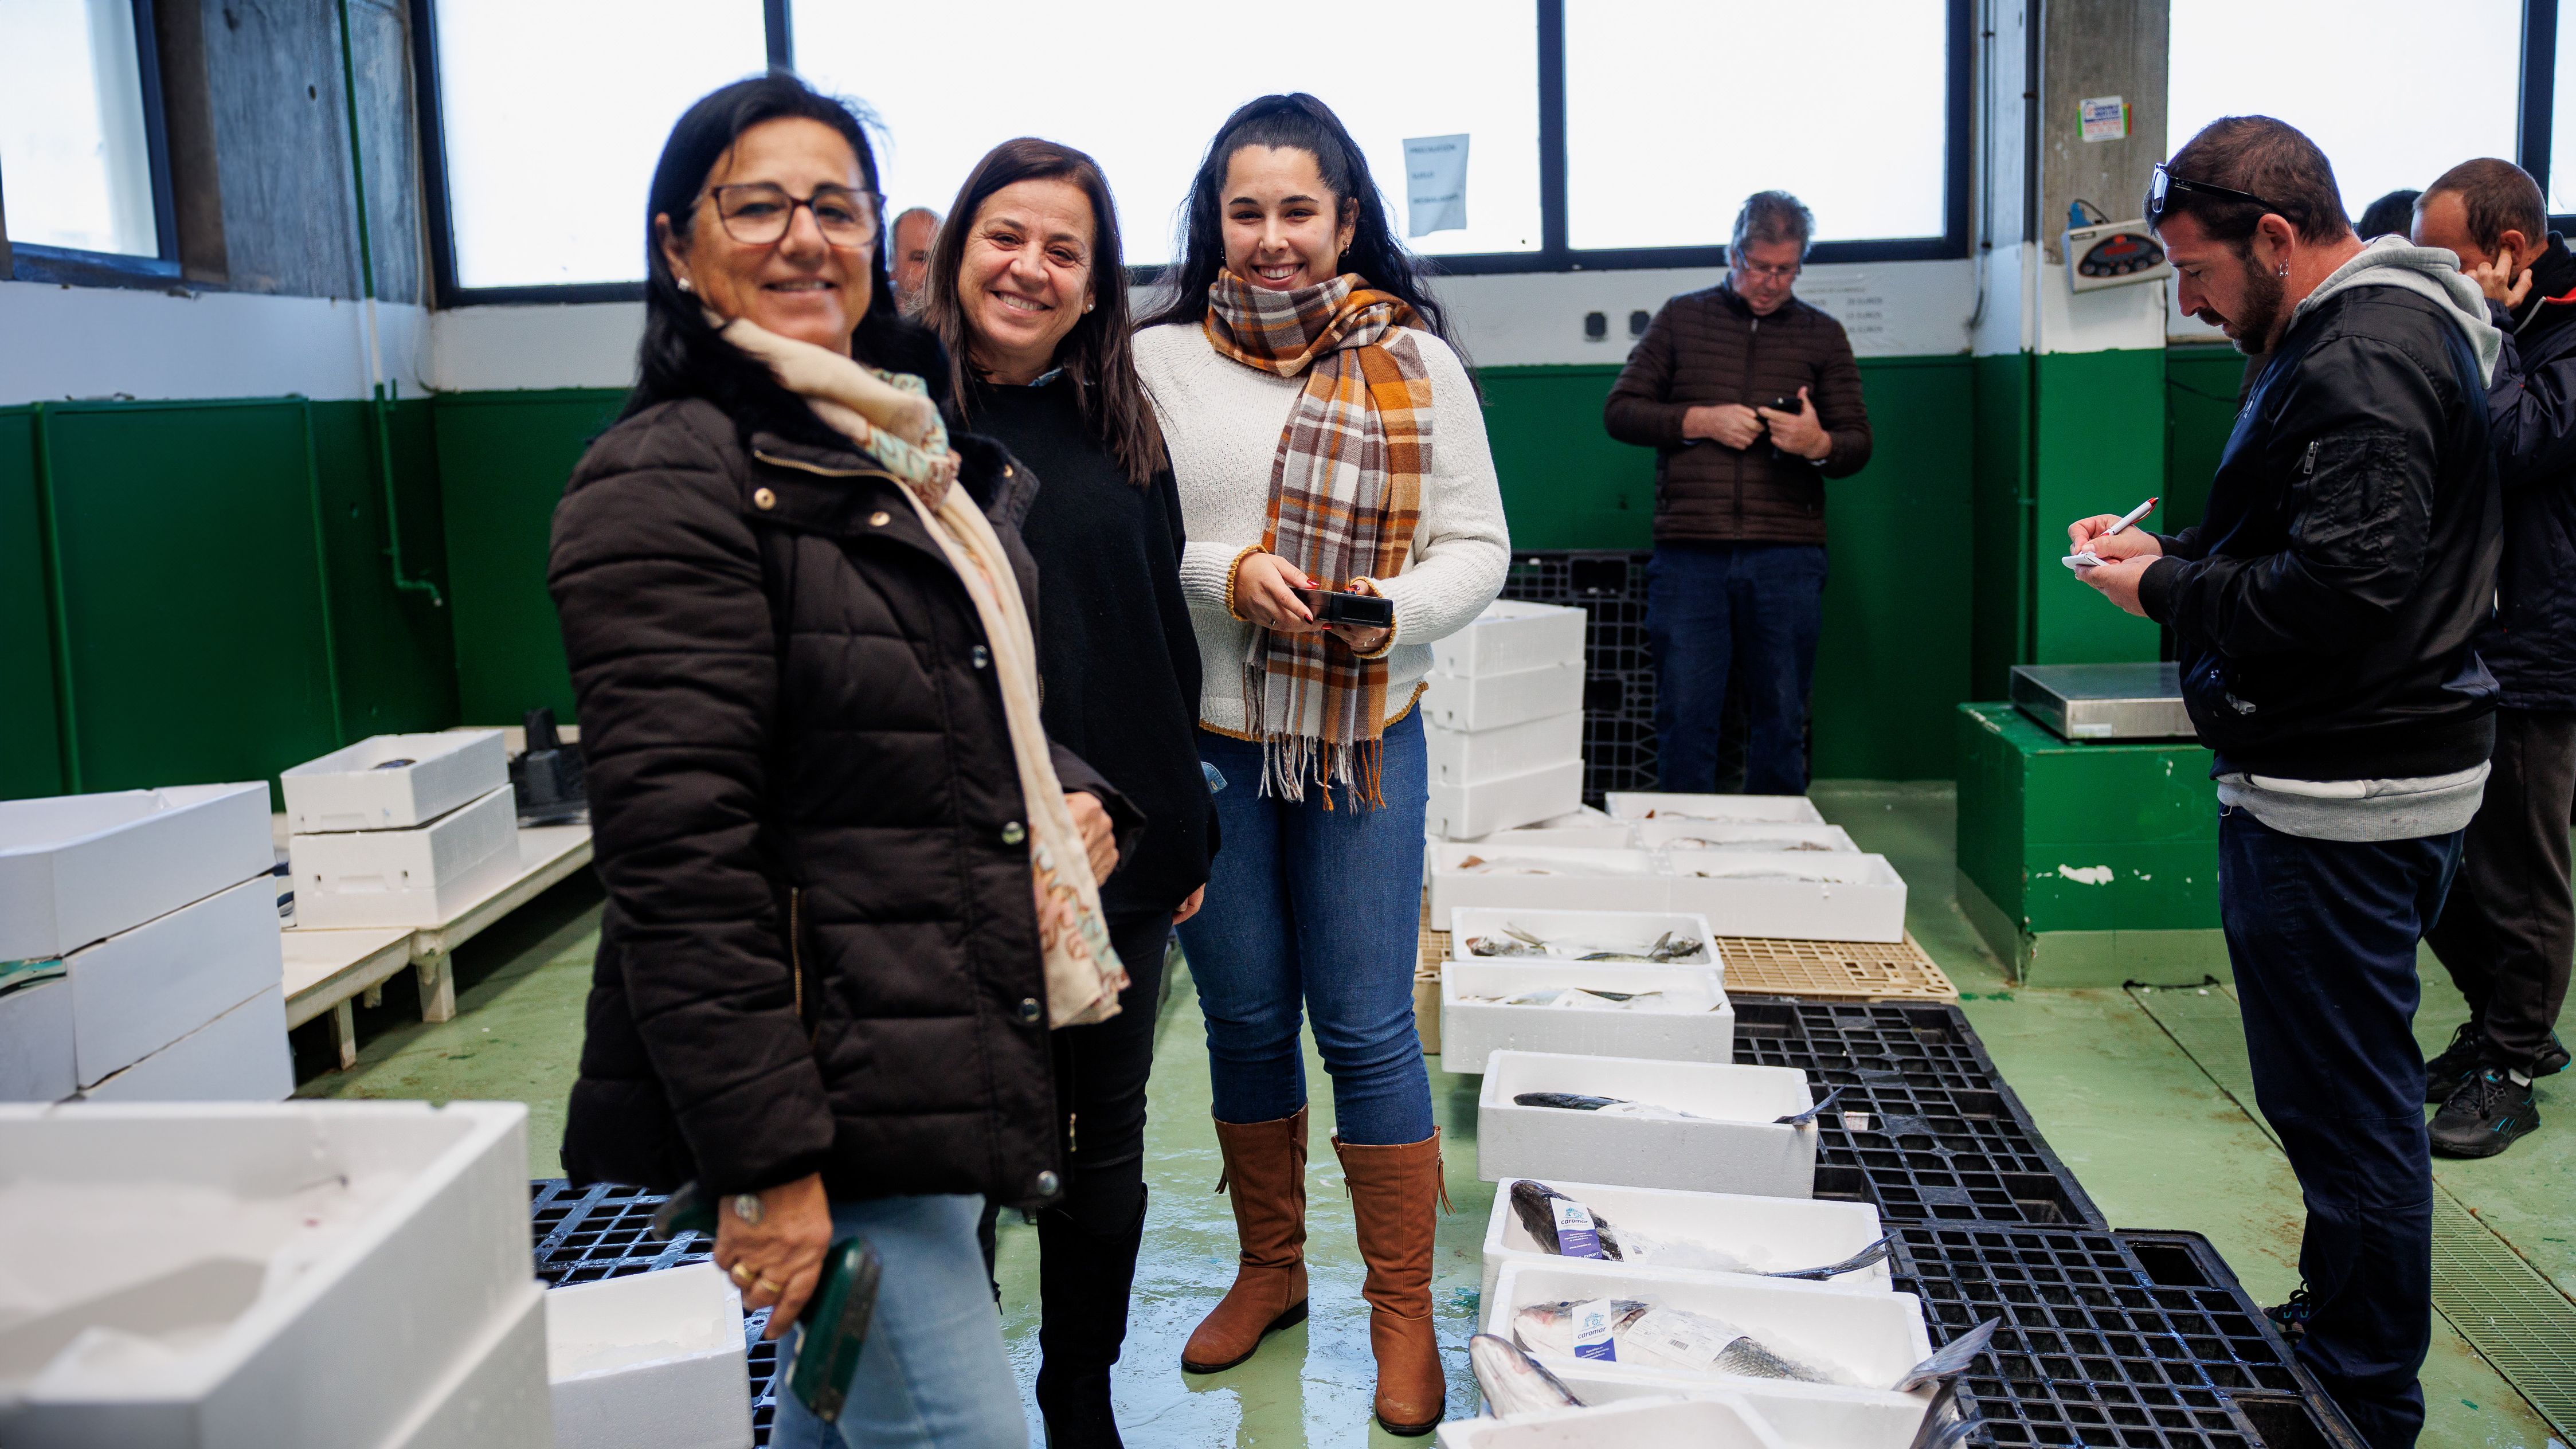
2322,936
933,1371
1321,908
1709,608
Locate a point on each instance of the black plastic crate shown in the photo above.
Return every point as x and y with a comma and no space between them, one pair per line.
1619,746
2097,1348
602,1231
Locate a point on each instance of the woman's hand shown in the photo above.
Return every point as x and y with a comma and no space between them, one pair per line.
776,1260
1191,906
1265,591
1359,638
1099,840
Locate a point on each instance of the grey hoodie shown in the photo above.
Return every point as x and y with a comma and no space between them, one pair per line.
2433,272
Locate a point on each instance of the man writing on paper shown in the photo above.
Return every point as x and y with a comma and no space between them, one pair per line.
1751,400
2323,612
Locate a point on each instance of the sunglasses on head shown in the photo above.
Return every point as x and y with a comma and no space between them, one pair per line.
2162,186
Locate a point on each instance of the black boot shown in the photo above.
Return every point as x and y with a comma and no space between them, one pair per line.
1083,1285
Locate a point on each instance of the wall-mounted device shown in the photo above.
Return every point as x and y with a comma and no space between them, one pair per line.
1596,326
2106,253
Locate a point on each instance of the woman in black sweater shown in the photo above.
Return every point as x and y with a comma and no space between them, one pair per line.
1029,293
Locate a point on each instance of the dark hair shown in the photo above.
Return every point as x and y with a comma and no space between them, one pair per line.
2394,212
1296,122
1097,355
2500,197
681,356
2261,157
1773,216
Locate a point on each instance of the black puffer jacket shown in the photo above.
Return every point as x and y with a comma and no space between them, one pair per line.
2532,644
820,950
2323,609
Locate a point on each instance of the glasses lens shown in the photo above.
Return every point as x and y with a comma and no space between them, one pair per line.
846,217
755,214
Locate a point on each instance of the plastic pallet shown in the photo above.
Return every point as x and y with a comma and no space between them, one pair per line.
2104,1346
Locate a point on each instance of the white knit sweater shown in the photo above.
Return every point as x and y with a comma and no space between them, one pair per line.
1222,420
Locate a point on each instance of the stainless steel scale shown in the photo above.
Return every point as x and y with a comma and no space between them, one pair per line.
2095,702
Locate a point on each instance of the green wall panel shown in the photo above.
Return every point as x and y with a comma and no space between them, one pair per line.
2101,449
2200,410
397,655
2000,516
30,747
1566,483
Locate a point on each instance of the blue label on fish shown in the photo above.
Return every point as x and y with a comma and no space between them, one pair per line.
1592,1336
1576,1237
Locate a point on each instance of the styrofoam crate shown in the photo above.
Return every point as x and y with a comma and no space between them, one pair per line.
494,1398
1603,930
1471,1031
340,1256
1509,637
1479,757
416,877
36,1042
1863,901
80,868
1805,1417
1789,1233
140,990
1611,880
1667,833
1740,1148
1583,827
1723,809
649,1361
363,788
1505,803
240,1056
1491,701
1874,1338
1716,1421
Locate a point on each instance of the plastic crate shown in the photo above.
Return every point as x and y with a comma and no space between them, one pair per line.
2098,1349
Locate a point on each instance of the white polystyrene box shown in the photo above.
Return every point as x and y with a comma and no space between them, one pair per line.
1674,833
1491,701
1789,1232
1630,931
80,868
1583,827
1874,1338
1804,1417
240,1056
1478,757
1595,880
364,787
140,990
1861,897
649,1361
1511,636
417,877
359,1252
1723,809
1741,1148
495,1397
36,1042
1472,1030
1714,1421
1499,805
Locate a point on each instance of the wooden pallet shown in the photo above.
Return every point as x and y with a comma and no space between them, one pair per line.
1761,966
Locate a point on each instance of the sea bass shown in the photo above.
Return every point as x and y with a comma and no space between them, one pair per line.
1651,1335
1513,1383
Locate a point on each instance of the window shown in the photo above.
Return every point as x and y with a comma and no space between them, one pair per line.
79,166
1675,113
2386,117
550,117
2562,119
1146,95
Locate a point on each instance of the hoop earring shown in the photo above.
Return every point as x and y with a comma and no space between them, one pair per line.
2283,271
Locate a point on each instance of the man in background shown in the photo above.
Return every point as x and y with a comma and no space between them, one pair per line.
2508,932
2323,613
2390,214
910,264
1751,400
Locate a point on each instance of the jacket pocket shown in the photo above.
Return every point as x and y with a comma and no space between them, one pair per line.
2355,504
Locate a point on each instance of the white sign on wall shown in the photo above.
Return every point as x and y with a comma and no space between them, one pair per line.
1435,184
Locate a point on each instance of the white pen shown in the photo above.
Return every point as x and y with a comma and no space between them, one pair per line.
2086,560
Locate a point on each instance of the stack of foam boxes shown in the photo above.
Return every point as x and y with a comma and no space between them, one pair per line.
1503,718
400,830
139,957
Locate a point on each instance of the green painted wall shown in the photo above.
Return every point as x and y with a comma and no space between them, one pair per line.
30,746
2101,449
2200,412
2001,511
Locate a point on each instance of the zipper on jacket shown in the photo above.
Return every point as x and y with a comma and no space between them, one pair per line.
1752,328
2308,469
796,951
818,469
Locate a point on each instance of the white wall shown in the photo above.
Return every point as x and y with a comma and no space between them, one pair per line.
106,342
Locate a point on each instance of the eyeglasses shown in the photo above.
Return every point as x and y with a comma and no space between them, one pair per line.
758,214
2162,185
1771,273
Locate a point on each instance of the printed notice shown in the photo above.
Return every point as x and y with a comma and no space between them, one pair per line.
1435,184
2104,118
1576,1237
1593,1337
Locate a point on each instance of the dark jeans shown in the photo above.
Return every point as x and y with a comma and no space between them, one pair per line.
2322,935
2508,932
1712,607
1315,913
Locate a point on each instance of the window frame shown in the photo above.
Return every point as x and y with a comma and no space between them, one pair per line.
1552,255
78,267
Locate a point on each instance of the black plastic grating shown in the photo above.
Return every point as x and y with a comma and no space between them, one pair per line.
1619,745
603,1231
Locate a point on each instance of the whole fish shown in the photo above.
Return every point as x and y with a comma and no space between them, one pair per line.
1951,1359
1611,1106
1696,842
1801,1119
1531,1204
1875,1253
1513,1383
1647,1335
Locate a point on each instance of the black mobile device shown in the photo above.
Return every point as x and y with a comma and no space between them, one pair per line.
1366,611
1786,405
835,1318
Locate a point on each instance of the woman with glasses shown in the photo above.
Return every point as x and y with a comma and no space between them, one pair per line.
850,886
1326,438
1027,290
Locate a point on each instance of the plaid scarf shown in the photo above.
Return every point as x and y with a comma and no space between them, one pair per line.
1345,495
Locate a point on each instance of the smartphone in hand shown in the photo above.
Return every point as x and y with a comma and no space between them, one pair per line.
1334,606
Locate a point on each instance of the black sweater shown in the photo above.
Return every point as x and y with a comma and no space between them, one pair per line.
1117,662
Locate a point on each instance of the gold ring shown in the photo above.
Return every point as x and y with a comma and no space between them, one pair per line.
741,1275
765,1286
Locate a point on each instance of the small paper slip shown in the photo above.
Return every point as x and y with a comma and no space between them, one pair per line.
1683,1337
1592,1324
2084,560
1575,1235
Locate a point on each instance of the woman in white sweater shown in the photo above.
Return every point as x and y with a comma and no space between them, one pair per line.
1325,439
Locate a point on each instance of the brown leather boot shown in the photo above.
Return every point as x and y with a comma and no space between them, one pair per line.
1265,1170
1393,1192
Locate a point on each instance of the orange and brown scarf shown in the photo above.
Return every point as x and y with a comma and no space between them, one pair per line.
1345,495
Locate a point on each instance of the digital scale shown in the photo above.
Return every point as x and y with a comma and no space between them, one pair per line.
2090,703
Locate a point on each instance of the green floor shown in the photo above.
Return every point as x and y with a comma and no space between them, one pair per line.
2143,1092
